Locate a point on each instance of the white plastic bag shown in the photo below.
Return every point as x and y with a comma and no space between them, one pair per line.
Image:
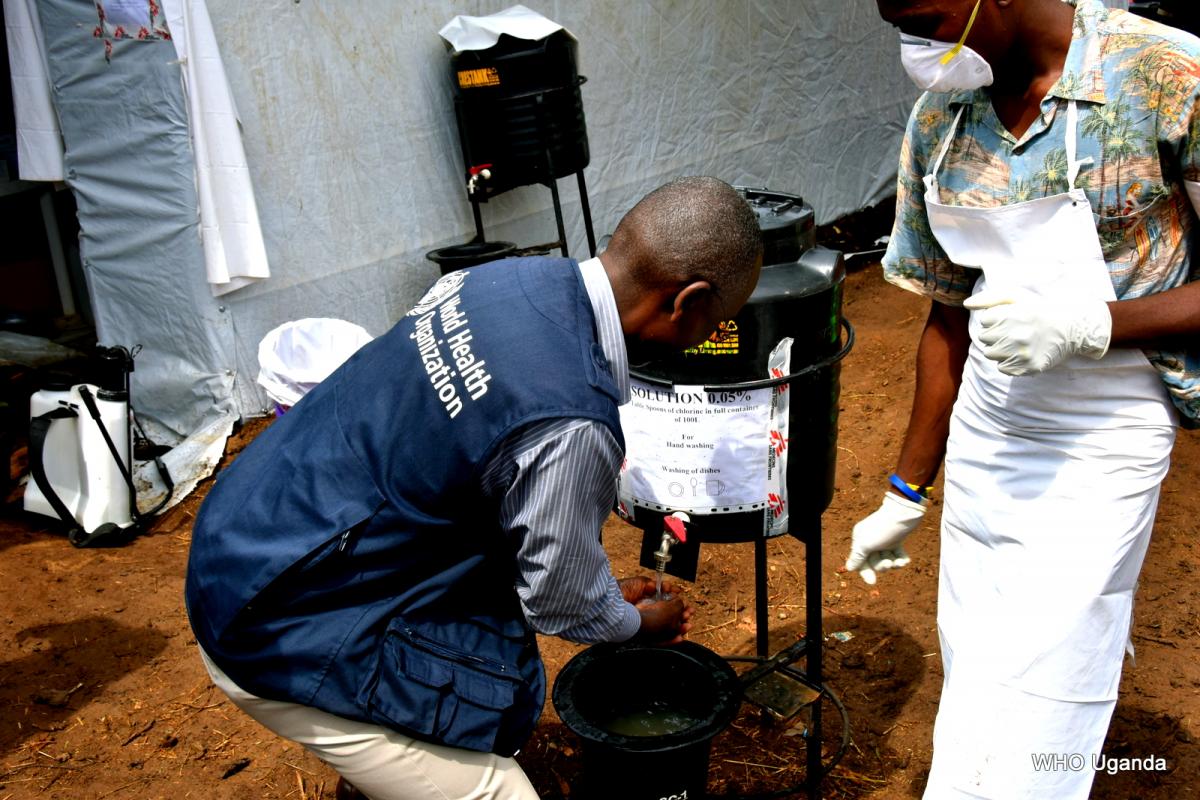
298,355
479,33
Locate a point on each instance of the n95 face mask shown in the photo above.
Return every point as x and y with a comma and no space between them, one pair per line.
944,67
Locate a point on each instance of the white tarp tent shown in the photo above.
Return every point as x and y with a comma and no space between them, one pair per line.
347,122
349,128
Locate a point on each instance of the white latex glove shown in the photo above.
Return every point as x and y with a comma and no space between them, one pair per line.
876,545
1027,334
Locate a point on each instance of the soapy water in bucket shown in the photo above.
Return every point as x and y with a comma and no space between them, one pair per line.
658,719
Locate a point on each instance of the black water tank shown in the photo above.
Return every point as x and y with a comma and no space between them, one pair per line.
520,111
799,294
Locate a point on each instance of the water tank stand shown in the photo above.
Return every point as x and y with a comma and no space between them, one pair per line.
779,667
551,184
586,210
561,242
558,217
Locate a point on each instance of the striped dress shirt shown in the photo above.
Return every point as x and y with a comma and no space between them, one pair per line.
557,482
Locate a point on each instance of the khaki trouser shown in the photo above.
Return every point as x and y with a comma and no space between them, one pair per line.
381,763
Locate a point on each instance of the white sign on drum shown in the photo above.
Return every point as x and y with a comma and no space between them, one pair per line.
692,450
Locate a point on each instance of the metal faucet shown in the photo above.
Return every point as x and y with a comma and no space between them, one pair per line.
477,174
663,554
674,532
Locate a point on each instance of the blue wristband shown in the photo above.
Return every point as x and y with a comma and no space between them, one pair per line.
905,489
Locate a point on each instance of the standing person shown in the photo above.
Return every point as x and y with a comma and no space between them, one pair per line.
367,577
1045,204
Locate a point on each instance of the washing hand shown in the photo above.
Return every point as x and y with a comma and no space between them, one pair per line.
876,544
638,588
1028,334
664,621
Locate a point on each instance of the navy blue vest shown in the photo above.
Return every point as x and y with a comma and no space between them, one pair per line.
348,559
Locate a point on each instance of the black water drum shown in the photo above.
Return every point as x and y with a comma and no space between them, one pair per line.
799,294
520,110
646,717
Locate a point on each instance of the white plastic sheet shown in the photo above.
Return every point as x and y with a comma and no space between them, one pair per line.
39,141
465,32
234,253
778,517
350,132
188,463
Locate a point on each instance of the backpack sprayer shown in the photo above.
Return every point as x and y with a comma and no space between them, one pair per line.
80,449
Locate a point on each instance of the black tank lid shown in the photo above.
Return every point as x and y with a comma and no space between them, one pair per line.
785,221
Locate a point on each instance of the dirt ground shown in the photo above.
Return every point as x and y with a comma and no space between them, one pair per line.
102,694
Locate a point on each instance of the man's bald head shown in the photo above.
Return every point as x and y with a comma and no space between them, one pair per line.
684,258
695,228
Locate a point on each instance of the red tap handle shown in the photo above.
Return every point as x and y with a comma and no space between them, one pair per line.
478,169
676,528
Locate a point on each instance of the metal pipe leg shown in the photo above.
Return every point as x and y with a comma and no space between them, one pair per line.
815,637
586,207
558,218
760,595
478,221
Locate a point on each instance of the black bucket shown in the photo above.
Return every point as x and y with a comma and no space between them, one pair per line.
647,717
471,254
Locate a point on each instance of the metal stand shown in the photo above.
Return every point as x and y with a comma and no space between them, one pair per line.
810,648
551,184
561,242
586,209
558,218
768,680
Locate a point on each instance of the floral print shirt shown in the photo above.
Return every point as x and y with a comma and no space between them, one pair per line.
1137,86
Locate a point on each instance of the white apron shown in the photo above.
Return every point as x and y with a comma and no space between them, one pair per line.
1051,484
